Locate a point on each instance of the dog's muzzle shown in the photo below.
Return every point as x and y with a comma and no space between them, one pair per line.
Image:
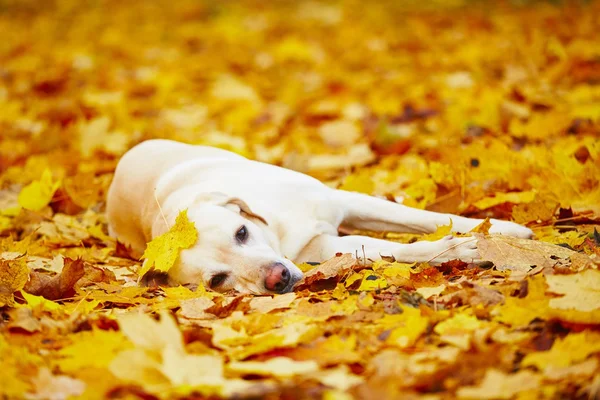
279,279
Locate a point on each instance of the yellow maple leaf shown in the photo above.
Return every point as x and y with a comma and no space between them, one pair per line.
564,352
458,330
38,194
440,232
13,276
162,252
372,281
34,301
520,312
410,326
360,182
483,227
89,349
499,198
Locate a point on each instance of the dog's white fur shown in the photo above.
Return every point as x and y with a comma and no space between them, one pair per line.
290,217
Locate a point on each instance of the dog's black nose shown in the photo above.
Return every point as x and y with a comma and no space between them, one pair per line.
278,278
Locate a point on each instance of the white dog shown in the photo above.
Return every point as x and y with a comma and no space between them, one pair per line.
256,220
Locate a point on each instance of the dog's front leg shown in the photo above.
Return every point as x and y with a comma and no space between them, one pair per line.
367,249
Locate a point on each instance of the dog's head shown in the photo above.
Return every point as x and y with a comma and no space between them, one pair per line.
233,250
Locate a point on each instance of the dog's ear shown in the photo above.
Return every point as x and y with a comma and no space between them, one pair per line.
244,209
233,203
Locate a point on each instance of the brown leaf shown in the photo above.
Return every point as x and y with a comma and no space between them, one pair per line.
75,274
335,267
265,304
510,253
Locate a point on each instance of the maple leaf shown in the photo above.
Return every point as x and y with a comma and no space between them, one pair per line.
38,194
160,360
483,227
565,351
581,300
13,276
581,291
91,349
331,268
441,232
39,302
510,253
74,275
458,330
267,304
521,311
410,325
162,252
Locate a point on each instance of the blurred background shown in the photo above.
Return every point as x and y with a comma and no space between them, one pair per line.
456,106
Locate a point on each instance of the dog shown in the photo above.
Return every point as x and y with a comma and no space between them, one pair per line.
256,220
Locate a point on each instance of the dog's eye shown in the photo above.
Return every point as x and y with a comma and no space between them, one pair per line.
242,234
217,280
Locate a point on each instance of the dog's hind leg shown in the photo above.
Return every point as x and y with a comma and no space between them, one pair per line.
369,213
367,249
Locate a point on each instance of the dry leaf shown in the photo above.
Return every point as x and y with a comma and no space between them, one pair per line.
329,269
581,291
498,385
74,275
510,253
267,304
13,276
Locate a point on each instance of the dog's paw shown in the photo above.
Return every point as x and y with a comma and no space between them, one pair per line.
456,248
510,229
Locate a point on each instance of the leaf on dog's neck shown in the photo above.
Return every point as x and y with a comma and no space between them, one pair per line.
162,252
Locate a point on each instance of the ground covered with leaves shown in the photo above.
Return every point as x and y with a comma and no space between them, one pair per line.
461,107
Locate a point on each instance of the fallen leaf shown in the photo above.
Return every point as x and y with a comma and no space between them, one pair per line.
441,232
458,330
428,292
55,387
566,351
519,312
22,318
498,385
510,253
13,276
584,370
268,304
483,228
499,198
196,308
162,252
39,302
331,268
91,349
409,326
339,378
38,194
581,291
74,275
